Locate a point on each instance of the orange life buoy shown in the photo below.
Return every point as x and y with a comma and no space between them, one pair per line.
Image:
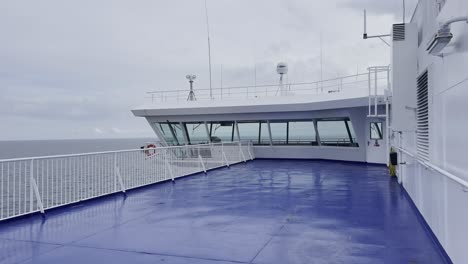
150,150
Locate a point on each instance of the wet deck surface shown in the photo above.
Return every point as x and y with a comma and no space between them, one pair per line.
262,212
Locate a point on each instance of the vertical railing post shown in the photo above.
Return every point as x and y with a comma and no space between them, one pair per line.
242,152
248,150
369,86
202,163
35,190
223,157
168,166
117,174
375,91
31,172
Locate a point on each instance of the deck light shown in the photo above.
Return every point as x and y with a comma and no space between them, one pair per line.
443,36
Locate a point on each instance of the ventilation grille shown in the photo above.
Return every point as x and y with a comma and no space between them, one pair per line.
399,32
422,138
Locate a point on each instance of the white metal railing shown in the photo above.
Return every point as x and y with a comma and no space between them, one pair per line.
36,184
378,82
428,165
357,82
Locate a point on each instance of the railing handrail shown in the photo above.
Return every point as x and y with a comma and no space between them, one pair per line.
37,184
114,151
429,165
265,85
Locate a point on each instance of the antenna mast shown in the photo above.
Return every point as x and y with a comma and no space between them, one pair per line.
365,36
321,63
209,48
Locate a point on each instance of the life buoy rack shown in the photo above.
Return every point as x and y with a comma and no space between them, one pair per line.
150,150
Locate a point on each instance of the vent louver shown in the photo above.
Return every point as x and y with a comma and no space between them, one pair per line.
399,32
422,129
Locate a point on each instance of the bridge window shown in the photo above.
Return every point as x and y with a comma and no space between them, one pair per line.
301,133
221,131
337,133
197,133
376,131
172,133
264,134
165,130
178,133
249,131
279,133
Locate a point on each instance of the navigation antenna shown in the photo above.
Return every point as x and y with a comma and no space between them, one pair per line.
191,96
365,36
282,69
209,48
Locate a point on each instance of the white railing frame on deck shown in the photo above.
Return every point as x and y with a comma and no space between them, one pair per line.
37,184
428,165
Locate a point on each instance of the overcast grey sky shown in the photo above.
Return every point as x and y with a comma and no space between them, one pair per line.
75,69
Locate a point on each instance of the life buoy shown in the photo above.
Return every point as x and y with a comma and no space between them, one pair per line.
150,150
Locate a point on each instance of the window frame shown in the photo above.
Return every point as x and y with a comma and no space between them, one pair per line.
380,131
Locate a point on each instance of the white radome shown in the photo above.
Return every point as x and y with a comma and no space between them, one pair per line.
282,68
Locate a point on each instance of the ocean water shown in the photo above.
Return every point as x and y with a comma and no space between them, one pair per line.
35,148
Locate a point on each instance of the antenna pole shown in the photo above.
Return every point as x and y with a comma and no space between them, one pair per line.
404,12
255,75
365,24
321,63
221,81
209,48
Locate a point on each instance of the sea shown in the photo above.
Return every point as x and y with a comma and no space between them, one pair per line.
36,148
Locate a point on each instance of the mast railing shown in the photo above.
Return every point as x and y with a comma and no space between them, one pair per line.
357,82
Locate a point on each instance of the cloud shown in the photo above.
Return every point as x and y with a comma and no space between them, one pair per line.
382,7
98,131
67,68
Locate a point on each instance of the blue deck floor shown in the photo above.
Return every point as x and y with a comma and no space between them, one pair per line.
261,212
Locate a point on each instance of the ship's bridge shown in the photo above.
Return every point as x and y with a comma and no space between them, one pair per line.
337,119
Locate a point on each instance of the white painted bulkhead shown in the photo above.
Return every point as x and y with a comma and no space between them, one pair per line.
288,108
442,201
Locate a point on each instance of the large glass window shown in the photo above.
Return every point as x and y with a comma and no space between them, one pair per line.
178,133
249,131
376,131
264,134
302,133
336,133
221,131
166,133
197,133
279,132
172,133
353,135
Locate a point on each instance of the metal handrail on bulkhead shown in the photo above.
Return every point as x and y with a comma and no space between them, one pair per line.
433,167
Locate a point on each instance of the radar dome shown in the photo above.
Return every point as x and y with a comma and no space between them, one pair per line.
282,68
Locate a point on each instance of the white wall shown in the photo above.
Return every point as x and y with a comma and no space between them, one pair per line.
311,152
441,201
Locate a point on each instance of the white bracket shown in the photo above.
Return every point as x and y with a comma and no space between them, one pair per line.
168,167
117,174
248,150
35,189
119,178
241,152
225,159
202,163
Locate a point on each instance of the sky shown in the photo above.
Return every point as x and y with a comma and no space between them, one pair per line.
75,69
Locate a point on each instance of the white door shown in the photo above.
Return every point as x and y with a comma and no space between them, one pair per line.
376,140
